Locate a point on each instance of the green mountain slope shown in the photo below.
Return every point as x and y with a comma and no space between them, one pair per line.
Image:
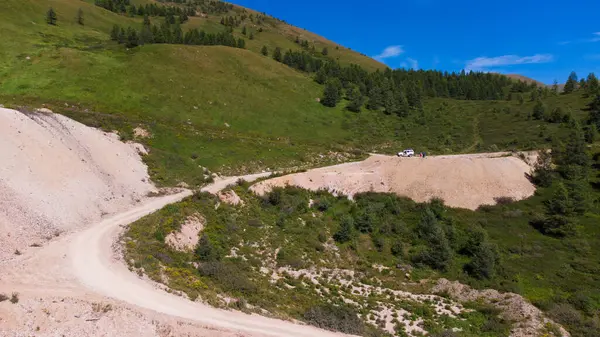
225,108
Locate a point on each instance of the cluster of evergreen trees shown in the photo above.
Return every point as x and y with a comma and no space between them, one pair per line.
436,240
171,33
125,7
565,169
237,20
205,6
589,85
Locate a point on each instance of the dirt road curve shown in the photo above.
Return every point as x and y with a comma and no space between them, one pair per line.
84,265
94,265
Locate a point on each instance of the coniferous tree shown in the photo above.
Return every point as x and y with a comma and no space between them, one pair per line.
122,38
251,37
264,51
438,255
390,103
114,33
146,36
244,31
346,231
241,43
131,11
539,110
571,84
592,84
331,94
80,16
132,38
325,51
356,99
51,17
542,174
594,112
177,34
555,87
277,54
402,104
534,95
484,262
376,98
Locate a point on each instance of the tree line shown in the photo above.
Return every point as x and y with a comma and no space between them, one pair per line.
172,34
205,6
125,7
565,170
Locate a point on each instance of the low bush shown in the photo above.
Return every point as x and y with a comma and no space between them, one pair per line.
336,318
228,276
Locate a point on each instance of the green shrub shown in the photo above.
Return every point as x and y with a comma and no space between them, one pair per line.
228,276
336,318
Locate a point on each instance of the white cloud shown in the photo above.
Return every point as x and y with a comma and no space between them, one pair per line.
596,38
484,63
389,52
414,64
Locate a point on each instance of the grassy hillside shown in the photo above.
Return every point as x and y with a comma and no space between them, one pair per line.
223,108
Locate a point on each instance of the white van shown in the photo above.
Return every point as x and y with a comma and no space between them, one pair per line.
406,153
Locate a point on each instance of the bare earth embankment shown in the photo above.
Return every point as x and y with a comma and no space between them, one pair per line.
465,181
57,175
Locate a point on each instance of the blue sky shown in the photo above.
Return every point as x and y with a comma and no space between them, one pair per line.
544,40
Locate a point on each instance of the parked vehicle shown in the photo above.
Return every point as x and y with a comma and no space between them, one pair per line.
406,153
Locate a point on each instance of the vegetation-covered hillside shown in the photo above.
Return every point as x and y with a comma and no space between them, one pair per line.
235,109
221,87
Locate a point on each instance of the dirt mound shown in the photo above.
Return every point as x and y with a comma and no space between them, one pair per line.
230,197
529,320
465,181
186,238
57,174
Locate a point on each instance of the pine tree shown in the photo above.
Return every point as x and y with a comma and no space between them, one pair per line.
402,104
177,34
80,16
132,38
346,231
241,43
264,51
539,110
251,37
146,36
389,103
594,112
146,21
51,17
592,84
277,54
356,99
325,51
244,31
555,87
122,37
571,84
542,174
484,262
376,98
534,95
114,33
331,94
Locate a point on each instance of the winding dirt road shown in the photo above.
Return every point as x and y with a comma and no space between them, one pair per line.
88,263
